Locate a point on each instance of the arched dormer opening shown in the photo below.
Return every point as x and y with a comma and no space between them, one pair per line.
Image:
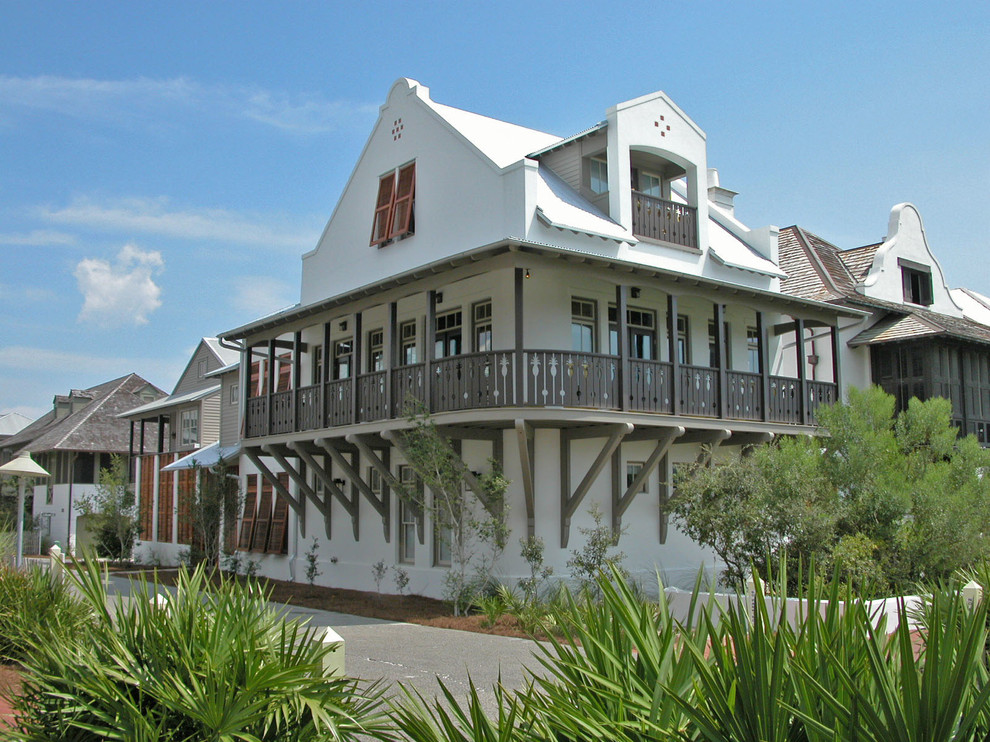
664,197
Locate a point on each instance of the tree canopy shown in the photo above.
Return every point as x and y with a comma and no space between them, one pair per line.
883,499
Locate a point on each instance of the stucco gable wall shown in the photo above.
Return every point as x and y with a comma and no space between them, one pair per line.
906,241
459,201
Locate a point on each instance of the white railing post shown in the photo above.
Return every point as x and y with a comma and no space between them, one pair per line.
333,661
972,594
55,561
755,591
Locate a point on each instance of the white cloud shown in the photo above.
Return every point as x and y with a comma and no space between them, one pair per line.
155,216
124,100
38,238
257,296
122,292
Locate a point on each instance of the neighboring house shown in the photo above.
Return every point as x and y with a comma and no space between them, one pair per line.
586,310
187,421
73,442
920,339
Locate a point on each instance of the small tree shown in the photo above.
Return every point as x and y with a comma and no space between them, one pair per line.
473,526
112,511
215,504
597,552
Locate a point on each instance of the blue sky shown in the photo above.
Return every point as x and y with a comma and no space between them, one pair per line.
164,166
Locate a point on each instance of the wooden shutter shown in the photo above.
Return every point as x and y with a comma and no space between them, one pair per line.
264,520
402,211
147,496
278,536
165,479
383,209
184,518
250,511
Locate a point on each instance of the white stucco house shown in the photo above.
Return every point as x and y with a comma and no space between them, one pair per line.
586,309
918,338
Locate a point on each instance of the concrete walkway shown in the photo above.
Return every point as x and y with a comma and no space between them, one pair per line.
417,655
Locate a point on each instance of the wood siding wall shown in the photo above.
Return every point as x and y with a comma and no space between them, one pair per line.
165,486
209,420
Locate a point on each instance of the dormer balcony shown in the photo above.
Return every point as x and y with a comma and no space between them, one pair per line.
664,221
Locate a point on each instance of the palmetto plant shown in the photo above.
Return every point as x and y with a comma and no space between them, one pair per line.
205,664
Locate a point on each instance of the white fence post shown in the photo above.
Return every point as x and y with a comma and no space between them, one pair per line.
55,563
333,662
972,594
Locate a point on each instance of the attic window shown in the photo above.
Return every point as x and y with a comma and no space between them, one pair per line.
917,282
598,174
394,207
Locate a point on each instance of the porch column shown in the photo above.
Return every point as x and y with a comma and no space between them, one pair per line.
161,434
723,377
296,375
430,338
325,375
836,366
517,364
390,356
802,375
247,356
355,366
764,366
270,385
141,444
622,344
675,361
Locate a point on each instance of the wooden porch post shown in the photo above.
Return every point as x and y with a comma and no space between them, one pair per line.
836,366
675,361
390,356
764,366
270,386
802,375
355,366
324,375
622,344
518,365
296,375
723,377
245,377
430,338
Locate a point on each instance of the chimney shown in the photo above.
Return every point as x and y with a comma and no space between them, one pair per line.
721,197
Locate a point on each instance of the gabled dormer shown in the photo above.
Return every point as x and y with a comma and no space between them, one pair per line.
904,270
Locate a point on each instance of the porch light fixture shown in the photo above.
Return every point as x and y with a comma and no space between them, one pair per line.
338,482
635,291
23,466
439,296
527,273
813,360
343,325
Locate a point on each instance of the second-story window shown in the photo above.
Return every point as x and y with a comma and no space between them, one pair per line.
713,346
407,342
683,339
917,286
648,183
343,352
189,428
583,318
753,349
641,328
482,316
376,350
318,364
598,175
394,206
448,334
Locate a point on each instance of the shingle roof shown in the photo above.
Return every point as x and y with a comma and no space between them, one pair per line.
94,427
859,260
920,323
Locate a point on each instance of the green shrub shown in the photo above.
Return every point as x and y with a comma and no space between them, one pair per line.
206,664
36,606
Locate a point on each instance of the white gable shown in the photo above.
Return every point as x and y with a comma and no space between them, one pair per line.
905,246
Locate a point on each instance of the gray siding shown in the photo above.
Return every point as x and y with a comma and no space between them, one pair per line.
229,416
209,420
191,379
567,161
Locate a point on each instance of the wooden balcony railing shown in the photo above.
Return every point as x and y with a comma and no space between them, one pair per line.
550,378
659,219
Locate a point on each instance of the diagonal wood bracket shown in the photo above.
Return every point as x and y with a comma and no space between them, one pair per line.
304,489
525,439
709,445
323,505
389,480
621,503
569,502
379,503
